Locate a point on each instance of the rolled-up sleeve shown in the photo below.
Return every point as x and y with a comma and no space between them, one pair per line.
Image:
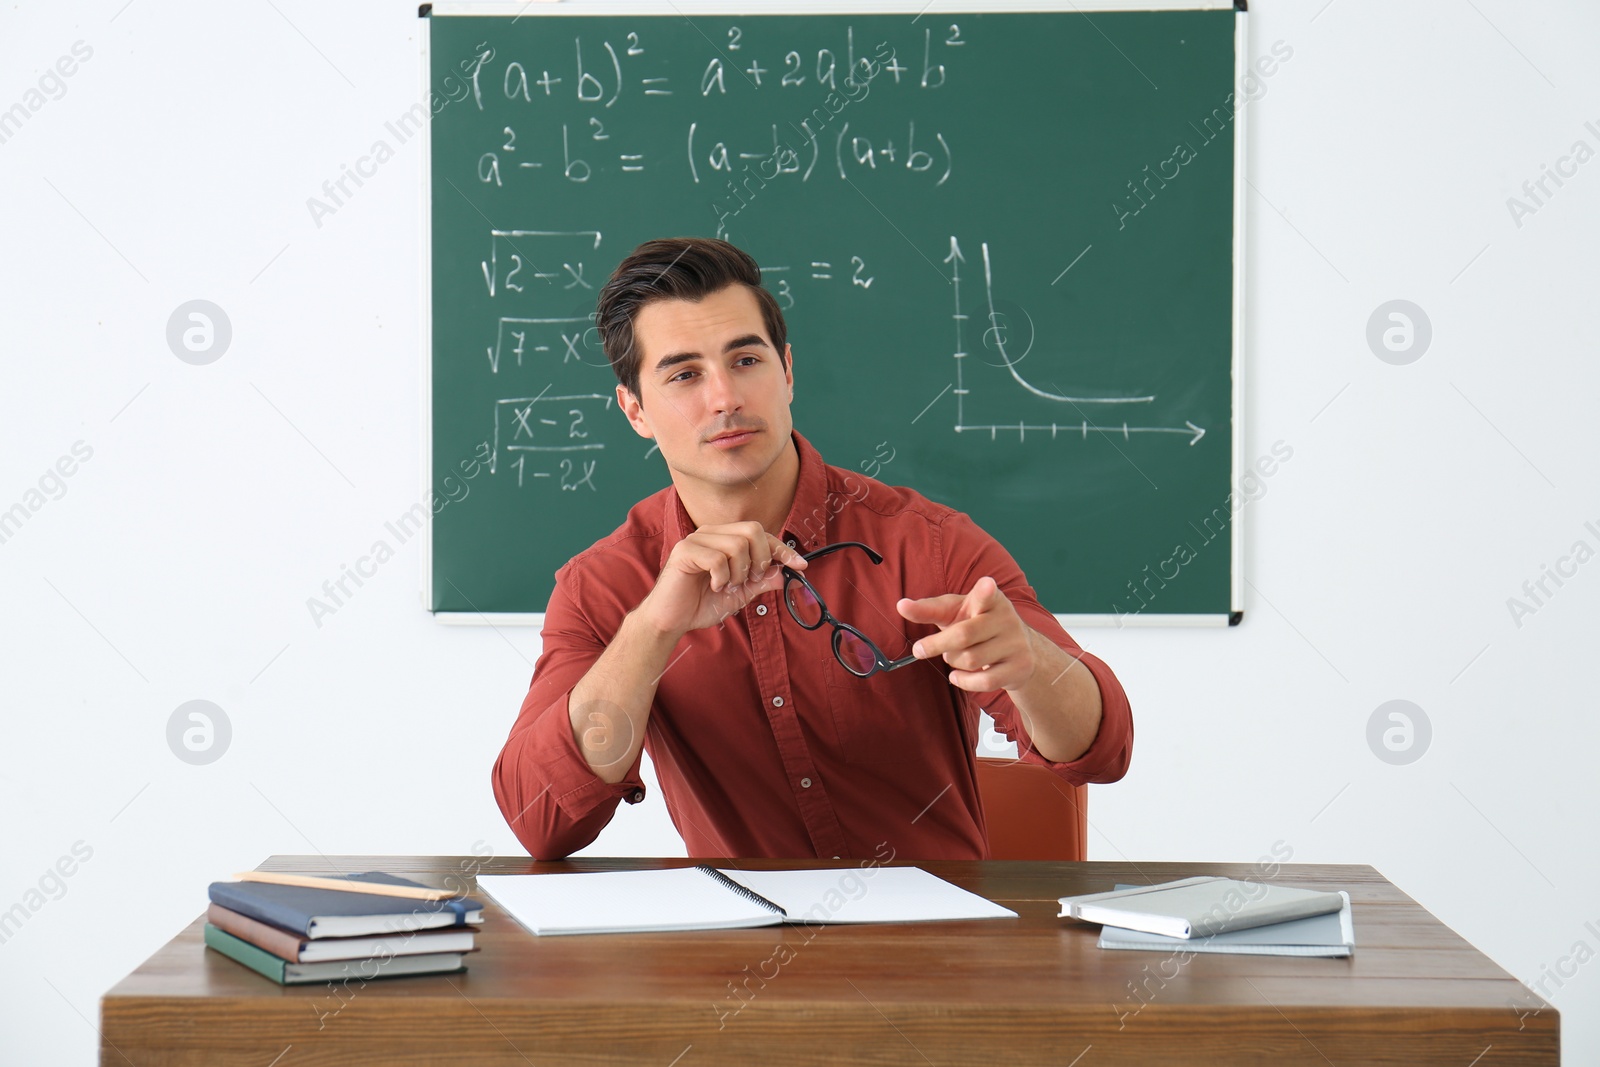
548,793
969,554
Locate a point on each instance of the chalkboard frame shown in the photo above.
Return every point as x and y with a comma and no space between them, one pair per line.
556,8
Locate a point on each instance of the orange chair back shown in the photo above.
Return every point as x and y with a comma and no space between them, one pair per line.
1031,814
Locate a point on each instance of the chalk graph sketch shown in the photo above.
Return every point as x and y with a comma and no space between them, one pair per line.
995,336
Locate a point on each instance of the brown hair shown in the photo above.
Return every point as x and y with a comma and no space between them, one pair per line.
674,268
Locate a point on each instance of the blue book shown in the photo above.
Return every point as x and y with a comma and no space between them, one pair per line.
314,913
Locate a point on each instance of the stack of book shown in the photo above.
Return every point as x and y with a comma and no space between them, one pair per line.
295,928
1216,914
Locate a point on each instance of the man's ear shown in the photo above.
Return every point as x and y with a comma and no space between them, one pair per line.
788,369
634,410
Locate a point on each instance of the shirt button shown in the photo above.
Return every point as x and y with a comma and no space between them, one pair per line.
761,609
777,702
805,783
636,796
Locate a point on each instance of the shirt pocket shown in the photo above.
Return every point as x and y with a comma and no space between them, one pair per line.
889,716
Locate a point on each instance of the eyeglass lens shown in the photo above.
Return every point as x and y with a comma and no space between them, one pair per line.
854,653
807,611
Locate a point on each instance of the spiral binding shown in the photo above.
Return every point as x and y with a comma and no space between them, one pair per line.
743,890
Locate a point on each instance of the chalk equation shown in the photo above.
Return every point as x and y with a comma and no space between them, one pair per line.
604,74
815,89
550,430
584,152
511,268
518,265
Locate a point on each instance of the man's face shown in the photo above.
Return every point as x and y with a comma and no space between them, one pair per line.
707,370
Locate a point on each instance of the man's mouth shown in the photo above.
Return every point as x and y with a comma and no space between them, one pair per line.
733,438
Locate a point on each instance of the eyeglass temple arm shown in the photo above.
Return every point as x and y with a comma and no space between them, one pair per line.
825,549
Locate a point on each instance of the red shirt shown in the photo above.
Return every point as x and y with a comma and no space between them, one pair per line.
763,743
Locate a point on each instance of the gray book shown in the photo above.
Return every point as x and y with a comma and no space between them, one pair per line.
1199,907
1330,935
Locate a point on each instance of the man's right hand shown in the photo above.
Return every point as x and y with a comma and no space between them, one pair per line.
712,573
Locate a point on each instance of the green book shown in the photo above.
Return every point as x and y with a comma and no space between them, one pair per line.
284,972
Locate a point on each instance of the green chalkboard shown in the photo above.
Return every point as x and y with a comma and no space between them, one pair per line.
1005,250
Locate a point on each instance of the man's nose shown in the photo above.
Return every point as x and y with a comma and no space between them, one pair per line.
724,392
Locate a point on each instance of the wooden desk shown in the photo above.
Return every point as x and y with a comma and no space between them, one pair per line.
1032,990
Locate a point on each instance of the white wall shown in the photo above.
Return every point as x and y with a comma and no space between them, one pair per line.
177,564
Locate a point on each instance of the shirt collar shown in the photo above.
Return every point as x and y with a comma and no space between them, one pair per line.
806,526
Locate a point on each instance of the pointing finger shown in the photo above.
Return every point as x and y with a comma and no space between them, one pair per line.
984,596
938,610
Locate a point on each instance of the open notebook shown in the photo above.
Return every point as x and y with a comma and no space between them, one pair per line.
703,898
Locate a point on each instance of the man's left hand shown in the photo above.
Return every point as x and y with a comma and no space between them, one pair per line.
981,637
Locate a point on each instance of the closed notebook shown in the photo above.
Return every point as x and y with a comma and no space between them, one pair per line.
318,913
297,948
702,898
1199,907
286,973
1330,935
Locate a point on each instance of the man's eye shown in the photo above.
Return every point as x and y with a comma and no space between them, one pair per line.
679,376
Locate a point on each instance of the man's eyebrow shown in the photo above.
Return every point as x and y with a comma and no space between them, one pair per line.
749,340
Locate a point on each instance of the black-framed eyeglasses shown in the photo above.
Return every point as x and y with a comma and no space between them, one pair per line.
853,649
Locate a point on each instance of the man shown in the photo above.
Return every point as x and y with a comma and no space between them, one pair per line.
699,630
